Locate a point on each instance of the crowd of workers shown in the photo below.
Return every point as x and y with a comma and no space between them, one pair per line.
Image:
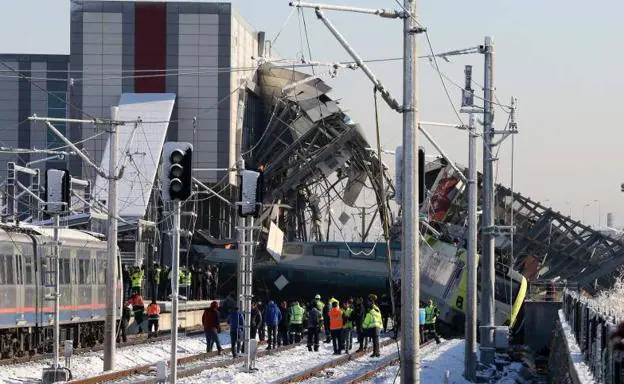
196,283
363,319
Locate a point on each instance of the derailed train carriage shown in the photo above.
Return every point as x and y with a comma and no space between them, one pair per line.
27,270
335,268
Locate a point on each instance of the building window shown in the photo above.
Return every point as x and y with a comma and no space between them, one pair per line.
56,108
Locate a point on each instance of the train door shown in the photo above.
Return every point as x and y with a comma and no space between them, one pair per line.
7,280
30,290
20,304
84,282
67,271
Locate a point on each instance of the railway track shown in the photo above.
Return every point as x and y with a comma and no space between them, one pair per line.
188,366
317,371
133,340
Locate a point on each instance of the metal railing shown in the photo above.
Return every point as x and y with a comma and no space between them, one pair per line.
547,290
592,327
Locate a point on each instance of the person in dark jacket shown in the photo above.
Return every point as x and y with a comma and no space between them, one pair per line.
211,322
385,306
313,320
358,317
272,316
325,315
125,321
236,322
284,325
256,320
262,327
162,287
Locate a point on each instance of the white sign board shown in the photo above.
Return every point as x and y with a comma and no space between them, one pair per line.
275,242
54,189
281,282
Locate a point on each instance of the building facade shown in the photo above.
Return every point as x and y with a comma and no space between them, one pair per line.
31,84
199,51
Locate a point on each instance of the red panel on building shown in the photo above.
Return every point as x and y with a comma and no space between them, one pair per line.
150,47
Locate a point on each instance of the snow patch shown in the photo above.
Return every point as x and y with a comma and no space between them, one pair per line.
582,370
91,363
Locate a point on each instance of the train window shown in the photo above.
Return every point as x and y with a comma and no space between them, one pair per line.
84,271
293,249
502,290
102,272
65,272
19,272
9,269
327,251
2,270
28,270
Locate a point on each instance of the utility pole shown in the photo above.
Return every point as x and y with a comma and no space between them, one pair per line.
410,279
470,353
488,225
410,283
111,271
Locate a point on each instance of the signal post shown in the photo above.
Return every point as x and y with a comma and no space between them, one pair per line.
177,182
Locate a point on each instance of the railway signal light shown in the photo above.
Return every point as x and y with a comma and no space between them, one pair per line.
58,190
177,177
250,193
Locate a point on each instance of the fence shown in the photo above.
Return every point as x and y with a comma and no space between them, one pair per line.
548,290
592,327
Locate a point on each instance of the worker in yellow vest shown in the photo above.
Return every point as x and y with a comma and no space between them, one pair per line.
372,325
347,328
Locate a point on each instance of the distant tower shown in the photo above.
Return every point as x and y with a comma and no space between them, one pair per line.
610,221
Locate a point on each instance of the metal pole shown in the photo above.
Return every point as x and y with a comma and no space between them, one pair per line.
363,224
111,275
57,293
488,276
248,286
470,353
175,279
410,282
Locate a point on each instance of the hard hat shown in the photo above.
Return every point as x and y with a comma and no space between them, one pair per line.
317,297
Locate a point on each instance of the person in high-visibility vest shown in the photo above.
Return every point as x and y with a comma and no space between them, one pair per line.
185,281
153,314
431,315
155,280
296,322
136,278
335,326
347,327
372,325
138,307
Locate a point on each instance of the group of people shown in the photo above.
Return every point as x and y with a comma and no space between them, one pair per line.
285,324
196,283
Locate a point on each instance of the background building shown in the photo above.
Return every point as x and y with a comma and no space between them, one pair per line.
158,47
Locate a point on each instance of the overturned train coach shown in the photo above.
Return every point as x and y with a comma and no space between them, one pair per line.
347,268
27,272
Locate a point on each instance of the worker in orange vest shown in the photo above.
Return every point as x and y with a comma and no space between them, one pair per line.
138,307
335,326
153,313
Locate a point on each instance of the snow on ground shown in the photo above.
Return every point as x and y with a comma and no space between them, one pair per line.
434,362
91,363
270,368
355,367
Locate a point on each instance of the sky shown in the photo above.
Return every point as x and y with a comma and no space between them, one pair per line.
560,59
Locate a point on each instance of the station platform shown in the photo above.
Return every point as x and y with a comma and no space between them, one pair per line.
189,315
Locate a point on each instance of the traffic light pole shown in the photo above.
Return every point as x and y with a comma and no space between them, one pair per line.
175,271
